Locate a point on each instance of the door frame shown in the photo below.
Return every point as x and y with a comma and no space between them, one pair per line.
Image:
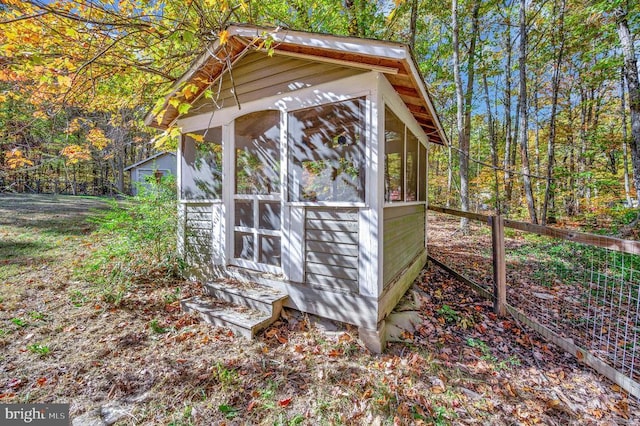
229,193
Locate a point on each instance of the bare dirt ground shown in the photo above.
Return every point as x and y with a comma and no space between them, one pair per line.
144,362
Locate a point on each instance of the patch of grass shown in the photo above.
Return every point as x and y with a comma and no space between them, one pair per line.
37,316
155,326
36,348
483,348
449,314
298,419
113,295
510,362
9,271
185,417
172,297
77,298
19,322
227,377
441,416
385,399
229,411
17,251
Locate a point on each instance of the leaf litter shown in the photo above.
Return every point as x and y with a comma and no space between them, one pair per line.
459,365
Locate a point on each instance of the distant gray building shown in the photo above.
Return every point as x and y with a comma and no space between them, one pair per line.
160,164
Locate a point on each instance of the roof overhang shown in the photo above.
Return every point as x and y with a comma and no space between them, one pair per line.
390,58
148,159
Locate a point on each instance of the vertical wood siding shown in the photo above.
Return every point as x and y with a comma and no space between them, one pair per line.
403,233
331,253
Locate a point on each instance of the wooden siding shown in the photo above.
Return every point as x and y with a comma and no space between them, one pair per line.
331,253
198,235
257,76
404,234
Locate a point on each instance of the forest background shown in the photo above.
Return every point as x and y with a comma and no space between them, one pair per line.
540,99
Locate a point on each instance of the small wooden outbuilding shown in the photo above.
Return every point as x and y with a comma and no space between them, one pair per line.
153,167
303,168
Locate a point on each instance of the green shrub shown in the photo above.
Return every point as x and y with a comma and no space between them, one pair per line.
138,239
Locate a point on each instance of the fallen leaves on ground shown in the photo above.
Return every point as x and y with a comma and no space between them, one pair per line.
463,365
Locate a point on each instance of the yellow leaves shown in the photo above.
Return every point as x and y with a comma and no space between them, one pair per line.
9,50
64,81
97,138
71,32
76,153
74,126
16,159
168,140
189,91
196,137
224,37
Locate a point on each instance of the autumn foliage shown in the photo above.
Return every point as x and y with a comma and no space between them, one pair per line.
77,79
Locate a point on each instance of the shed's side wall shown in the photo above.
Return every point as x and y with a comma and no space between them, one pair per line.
257,75
404,238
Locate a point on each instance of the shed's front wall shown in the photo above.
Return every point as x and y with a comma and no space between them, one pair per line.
166,164
315,232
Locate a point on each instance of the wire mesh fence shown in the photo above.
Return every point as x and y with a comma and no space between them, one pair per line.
470,254
583,292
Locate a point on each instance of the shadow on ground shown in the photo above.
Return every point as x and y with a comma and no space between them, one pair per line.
52,214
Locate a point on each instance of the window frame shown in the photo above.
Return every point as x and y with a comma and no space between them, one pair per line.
363,144
422,161
184,139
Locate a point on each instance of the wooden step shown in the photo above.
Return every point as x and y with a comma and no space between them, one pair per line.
249,294
241,319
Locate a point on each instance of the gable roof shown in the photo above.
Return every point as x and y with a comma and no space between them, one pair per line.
148,159
392,59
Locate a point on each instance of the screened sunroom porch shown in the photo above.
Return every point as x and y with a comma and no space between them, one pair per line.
310,178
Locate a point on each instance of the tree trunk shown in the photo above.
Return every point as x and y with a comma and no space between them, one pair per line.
633,88
352,14
625,135
463,102
523,116
449,174
413,25
506,164
551,143
493,140
464,149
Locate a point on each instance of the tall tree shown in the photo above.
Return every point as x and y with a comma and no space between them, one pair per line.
464,99
558,40
493,141
523,137
625,154
507,163
633,87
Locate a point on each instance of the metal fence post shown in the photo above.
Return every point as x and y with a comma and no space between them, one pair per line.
499,265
